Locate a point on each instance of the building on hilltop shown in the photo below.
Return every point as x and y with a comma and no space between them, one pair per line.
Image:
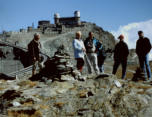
71,21
61,24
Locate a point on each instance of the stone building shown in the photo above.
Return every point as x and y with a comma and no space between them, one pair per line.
72,21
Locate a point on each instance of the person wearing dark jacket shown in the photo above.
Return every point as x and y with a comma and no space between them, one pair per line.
34,51
143,48
121,53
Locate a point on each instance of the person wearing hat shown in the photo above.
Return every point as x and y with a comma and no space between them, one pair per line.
34,51
143,47
121,53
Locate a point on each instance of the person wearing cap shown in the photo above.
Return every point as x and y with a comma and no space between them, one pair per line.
143,47
79,51
121,53
34,51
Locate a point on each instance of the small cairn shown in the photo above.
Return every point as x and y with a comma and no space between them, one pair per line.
58,68
139,75
58,65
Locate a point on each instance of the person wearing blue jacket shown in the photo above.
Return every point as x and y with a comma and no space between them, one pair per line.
101,56
79,51
91,50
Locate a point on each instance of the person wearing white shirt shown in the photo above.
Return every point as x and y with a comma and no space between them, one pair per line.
79,51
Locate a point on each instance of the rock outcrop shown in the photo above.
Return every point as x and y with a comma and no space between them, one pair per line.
98,96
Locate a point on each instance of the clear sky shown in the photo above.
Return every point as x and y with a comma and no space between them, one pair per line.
109,14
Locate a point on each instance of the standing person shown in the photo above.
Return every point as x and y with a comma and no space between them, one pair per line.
79,50
120,56
101,56
34,51
91,50
143,48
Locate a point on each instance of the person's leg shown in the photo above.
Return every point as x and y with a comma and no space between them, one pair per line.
102,66
95,63
141,63
115,66
148,69
124,66
80,64
88,58
34,68
40,66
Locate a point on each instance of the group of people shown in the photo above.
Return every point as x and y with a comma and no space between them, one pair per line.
92,47
93,52
90,50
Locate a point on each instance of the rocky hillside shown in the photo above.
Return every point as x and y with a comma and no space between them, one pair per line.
69,94
97,96
50,42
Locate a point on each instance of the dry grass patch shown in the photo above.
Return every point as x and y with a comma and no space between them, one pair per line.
73,88
139,86
44,107
83,93
59,104
141,92
103,86
24,113
27,83
30,103
143,87
1,88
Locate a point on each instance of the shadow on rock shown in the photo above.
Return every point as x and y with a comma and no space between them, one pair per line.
5,77
102,76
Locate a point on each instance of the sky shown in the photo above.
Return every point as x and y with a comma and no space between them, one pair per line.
116,16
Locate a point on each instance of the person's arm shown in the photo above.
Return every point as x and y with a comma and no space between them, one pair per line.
76,46
127,50
148,45
137,46
115,52
31,50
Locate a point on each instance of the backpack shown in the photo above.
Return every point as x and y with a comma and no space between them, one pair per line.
102,53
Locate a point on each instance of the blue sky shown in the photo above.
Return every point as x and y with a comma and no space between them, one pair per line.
109,14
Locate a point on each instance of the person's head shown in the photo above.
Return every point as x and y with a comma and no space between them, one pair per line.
91,35
78,35
140,34
36,36
121,37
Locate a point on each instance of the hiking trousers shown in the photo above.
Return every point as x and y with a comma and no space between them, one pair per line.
124,66
144,65
94,63
35,63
